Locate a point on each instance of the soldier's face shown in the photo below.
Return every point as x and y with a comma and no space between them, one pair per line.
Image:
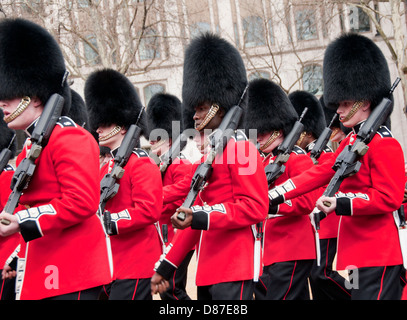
27,117
110,136
347,107
262,139
202,111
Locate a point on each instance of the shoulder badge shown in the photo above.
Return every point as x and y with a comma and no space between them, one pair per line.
140,152
298,150
384,132
65,121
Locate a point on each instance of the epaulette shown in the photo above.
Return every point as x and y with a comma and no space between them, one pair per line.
140,152
65,121
8,167
384,132
298,150
239,136
328,149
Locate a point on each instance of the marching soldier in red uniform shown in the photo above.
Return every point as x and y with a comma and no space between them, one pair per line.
235,199
7,244
325,282
289,249
356,78
63,254
114,106
164,116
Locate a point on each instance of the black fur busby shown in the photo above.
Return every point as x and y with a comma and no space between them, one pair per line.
314,119
112,99
78,111
354,68
162,110
214,72
31,63
269,108
6,135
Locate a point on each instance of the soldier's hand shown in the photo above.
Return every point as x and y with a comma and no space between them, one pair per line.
326,204
8,224
179,224
158,284
8,273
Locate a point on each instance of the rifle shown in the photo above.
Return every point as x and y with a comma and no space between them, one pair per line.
276,169
322,141
176,148
5,155
109,186
347,163
218,141
39,139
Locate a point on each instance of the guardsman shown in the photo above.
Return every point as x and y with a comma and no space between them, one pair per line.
356,79
7,244
63,254
164,116
235,198
289,249
114,105
326,283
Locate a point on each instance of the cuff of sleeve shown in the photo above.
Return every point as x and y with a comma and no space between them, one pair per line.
200,220
29,229
166,269
343,206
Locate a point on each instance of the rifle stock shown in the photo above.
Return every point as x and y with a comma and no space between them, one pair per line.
277,168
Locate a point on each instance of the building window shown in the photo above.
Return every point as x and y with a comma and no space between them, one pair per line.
253,28
151,90
312,79
199,28
91,55
305,24
259,74
149,45
358,20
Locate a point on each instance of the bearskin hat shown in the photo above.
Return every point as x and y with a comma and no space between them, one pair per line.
6,134
354,68
314,119
112,99
79,112
162,110
31,63
269,108
214,72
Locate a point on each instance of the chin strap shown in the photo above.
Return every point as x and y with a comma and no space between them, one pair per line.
209,116
270,140
355,108
111,134
25,101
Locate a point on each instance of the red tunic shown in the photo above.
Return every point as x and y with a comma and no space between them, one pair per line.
176,172
290,236
235,198
7,244
135,209
66,249
367,236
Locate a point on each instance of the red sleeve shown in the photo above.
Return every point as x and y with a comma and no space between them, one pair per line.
248,179
145,192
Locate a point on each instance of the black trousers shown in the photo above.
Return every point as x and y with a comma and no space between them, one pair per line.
326,283
7,289
177,289
236,290
377,283
129,289
288,280
88,294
